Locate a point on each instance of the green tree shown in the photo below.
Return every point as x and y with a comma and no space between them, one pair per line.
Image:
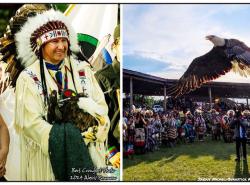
6,12
144,101
61,7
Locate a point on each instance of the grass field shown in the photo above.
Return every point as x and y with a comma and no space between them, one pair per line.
207,161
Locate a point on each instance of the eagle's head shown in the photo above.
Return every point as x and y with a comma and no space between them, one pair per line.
217,41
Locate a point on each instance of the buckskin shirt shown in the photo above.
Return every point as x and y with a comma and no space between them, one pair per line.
30,120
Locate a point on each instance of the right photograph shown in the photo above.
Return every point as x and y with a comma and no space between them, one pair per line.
186,90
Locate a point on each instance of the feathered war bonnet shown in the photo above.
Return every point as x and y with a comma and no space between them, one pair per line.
39,30
7,42
36,32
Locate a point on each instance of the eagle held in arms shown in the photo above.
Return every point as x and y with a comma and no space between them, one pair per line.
226,54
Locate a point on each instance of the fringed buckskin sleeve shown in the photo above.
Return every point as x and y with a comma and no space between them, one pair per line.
33,129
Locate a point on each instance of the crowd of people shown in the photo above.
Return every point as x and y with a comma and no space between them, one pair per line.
147,131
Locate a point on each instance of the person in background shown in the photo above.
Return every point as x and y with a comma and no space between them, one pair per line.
109,80
189,127
200,125
157,130
240,136
4,147
246,117
140,124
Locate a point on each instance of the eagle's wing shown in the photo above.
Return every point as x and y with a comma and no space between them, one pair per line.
239,53
202,69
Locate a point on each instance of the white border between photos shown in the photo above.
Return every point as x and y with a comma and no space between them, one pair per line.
121,93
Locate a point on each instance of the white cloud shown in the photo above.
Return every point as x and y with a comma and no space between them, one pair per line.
233,77
169,75
229,77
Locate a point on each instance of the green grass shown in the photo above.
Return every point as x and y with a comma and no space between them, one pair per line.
211,160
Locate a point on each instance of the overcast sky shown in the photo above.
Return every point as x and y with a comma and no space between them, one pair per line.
162,40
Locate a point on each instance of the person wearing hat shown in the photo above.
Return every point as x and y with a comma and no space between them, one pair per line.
109,80
50,150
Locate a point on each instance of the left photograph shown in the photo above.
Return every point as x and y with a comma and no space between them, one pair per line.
59,92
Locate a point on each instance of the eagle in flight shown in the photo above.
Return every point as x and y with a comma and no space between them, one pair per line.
226,55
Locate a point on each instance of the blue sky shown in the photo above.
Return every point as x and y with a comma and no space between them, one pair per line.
163,39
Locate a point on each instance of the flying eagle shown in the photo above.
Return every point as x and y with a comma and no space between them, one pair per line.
226,55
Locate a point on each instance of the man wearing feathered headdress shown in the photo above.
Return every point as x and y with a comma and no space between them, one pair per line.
52,150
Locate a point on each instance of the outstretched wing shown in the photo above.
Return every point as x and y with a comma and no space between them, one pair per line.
239,53
202,69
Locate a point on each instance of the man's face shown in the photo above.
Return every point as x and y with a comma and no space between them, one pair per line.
55,50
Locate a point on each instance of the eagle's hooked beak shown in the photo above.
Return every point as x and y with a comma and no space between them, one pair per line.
208,38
